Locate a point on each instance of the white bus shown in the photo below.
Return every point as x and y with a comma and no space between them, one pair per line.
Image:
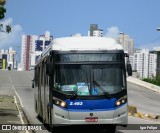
82,81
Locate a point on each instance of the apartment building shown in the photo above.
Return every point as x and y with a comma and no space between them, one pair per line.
8,59
157,49
145,63
126,42
28,50
32,47
95,31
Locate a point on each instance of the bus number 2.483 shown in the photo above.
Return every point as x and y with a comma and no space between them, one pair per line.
76,103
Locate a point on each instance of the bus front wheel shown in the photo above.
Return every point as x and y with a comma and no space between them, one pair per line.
111,128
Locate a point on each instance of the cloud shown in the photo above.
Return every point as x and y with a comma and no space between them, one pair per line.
112,32
13,38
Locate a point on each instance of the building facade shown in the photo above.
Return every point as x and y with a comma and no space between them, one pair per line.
145,63
32,47
94,31
158,64
8,59
126,42
28,50
157,49
98,33
92,28
152,64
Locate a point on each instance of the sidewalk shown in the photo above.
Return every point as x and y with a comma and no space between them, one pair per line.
8,113
9,109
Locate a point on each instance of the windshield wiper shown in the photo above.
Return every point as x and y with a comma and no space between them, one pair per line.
105,92
74,94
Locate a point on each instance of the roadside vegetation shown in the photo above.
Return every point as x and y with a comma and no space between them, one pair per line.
155,81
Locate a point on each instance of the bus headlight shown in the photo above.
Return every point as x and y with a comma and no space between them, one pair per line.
63,104
60,103
121,101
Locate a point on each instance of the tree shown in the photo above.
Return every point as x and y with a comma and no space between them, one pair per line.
2,15
2,9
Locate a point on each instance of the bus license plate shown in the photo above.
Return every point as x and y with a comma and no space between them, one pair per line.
91,119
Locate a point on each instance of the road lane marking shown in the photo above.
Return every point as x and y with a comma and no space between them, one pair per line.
16,92
20,112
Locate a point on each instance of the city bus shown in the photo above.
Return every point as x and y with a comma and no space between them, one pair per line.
82,81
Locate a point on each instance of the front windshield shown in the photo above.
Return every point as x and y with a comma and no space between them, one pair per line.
71,78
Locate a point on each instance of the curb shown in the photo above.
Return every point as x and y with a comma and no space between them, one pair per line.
21,113
144,84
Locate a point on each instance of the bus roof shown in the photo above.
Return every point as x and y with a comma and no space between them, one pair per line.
81,43
85,43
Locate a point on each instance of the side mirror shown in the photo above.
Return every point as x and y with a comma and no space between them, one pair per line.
129,69
49,68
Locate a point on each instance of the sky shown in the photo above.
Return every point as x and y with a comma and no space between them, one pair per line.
137,18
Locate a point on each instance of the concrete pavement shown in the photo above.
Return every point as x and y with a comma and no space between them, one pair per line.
10,109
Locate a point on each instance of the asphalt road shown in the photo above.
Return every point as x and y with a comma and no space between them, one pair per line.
146,101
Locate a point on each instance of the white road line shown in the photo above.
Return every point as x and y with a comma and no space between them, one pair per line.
20,113
18,110
16,92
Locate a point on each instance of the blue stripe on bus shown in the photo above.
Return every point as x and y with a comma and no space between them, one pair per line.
91,104
89,110
88,105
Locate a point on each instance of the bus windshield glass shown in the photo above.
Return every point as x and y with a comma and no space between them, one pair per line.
81,79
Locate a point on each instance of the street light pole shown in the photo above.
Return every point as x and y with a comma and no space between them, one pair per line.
122,33
158,29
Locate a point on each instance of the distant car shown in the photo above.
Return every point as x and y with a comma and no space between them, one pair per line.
31,68
9,68
32,83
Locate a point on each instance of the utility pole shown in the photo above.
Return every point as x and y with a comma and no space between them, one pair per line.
122,33
158,29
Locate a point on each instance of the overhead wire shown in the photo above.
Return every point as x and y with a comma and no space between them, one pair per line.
152,41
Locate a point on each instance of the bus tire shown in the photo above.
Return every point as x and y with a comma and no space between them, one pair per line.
36,106
55,129
111,128
49,121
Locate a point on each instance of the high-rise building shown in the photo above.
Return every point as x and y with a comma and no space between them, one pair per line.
8,59
157,49
144,62
28,50
92,28
32,47
126,42
152,64
11,58
94,31
158,64
98,33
